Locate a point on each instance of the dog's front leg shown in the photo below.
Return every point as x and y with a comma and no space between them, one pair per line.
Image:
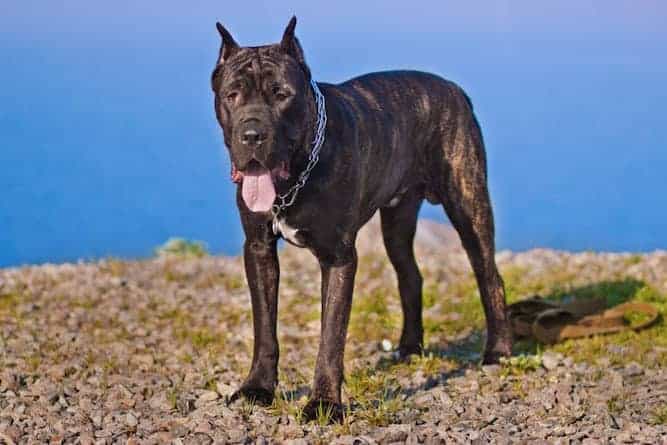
262,272
337,286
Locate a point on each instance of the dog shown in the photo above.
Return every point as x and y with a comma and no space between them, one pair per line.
315,161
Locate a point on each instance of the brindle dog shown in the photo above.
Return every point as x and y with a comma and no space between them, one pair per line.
392,140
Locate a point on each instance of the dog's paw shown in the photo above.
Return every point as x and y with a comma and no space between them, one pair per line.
323,411
493,356
405,352
259,396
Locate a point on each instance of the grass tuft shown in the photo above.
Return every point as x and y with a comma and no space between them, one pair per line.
181,247
519,365
660,415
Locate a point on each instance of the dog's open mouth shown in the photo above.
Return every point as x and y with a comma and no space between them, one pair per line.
258,188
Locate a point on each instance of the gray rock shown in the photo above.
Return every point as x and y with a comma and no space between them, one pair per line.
206,397
131,420
423,400
551,360
122,354
633,369
394,433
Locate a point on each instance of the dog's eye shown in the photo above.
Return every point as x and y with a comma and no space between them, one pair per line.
231,97
279,93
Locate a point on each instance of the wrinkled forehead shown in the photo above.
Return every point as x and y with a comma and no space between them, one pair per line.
256,64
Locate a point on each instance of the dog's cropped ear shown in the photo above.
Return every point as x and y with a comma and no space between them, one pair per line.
290,45
228,46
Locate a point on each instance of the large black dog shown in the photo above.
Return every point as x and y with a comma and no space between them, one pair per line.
315,161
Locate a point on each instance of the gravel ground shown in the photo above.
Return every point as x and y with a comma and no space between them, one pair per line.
147,351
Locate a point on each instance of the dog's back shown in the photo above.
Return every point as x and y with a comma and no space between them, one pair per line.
412,127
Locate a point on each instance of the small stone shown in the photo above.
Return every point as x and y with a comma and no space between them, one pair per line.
131,420
550,360
202,439
237,435
386,345
86,438
97,420
203,427
185,405
178,429
624,436
160,402
616,350
616,380
633,369
506,397
143,361
412,439
603,361
423,400
208,396
394,433
491,370
12,433
224,389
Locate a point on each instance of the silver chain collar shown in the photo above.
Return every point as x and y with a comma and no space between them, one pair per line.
287,199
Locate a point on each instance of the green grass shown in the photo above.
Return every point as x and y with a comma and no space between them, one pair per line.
202,338
660,415
638,346
172,396
632,260
454,326
323,415
372,319
615,404
460,310
9,302
614,292
185,330
285,404
519,364
373,396
114,267
182,248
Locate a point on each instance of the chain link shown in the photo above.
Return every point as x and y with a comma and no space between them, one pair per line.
287,199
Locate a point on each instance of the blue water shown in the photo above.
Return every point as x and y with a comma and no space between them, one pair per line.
108,142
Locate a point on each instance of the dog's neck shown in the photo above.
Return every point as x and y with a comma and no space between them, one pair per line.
305,146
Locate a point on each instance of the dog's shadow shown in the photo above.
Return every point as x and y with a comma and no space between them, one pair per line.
612,292
464,354
297,393
466,351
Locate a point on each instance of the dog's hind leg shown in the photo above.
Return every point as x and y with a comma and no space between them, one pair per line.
462,188
398,231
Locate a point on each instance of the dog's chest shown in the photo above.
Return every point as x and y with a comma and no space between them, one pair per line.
289,233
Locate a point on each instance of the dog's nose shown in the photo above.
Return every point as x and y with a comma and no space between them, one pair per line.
252,137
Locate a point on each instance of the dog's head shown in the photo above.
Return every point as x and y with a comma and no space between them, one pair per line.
262,101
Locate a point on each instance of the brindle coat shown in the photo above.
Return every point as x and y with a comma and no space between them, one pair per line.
393,139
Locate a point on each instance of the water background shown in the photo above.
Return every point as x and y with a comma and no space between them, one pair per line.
109,145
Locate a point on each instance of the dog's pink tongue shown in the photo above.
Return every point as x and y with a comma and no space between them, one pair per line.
258,191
